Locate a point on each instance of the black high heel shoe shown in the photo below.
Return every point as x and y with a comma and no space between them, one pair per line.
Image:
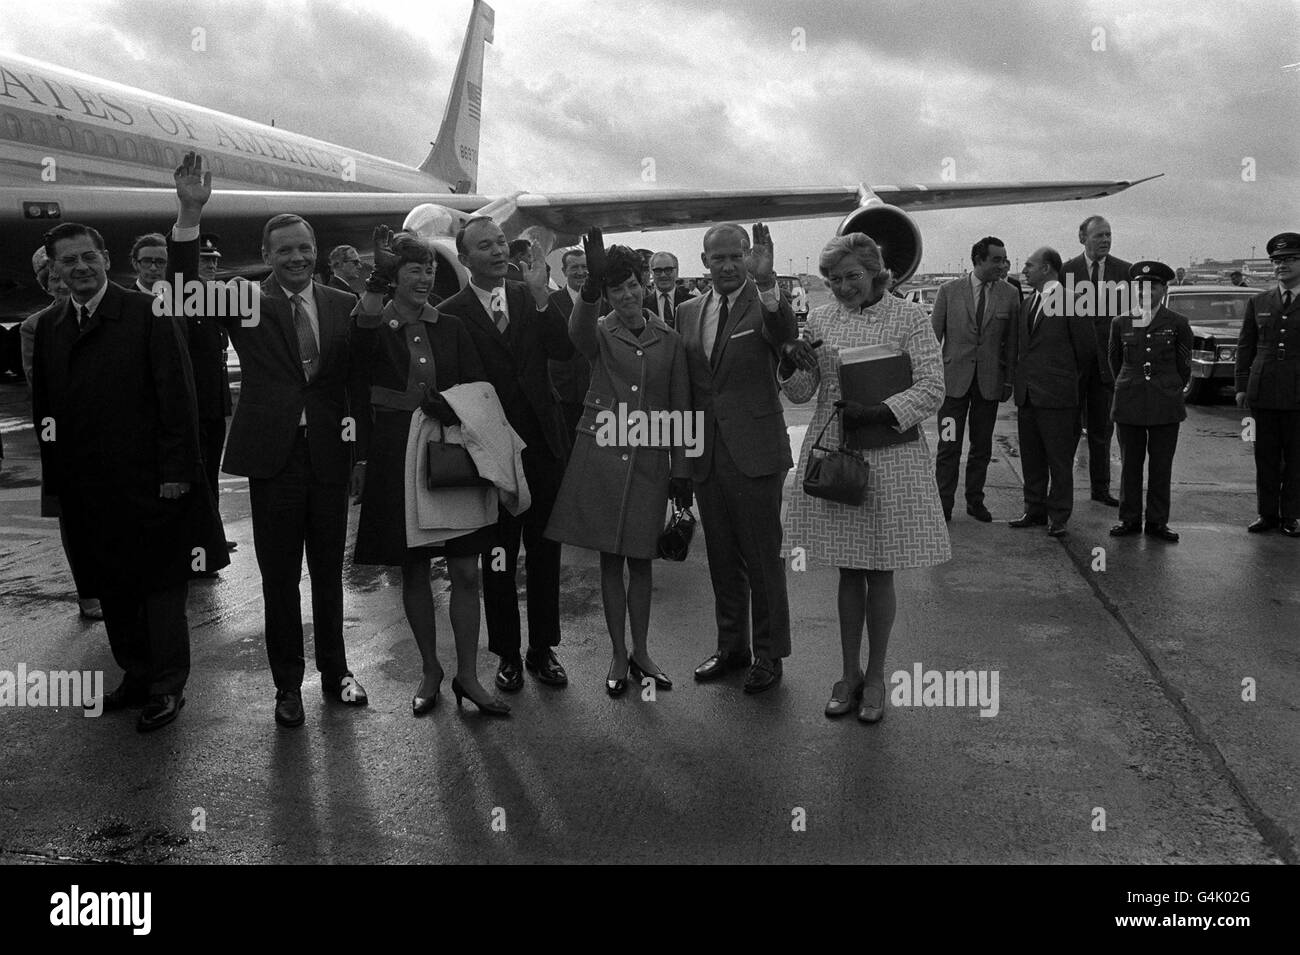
423,704
616,687
490,708
639,673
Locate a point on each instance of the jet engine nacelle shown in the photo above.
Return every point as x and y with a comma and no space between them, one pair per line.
894,231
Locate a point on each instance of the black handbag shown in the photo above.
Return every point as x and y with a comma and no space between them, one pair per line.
675,539
839,475
450,465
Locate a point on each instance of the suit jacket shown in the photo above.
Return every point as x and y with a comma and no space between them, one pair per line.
206,341
571,378
1114,270
273,391
1151,365
1270,380
117,398
1045,364
516,362
342,286
972,352
651,301
738,396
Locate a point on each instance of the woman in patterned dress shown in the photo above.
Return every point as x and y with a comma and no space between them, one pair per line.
900,524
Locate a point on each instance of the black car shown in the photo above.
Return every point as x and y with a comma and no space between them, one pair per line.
1215,313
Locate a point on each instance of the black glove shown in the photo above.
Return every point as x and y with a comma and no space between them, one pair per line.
858,415
385,260
436,406
593,244
682,492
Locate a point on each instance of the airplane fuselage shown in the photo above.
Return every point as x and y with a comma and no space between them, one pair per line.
63,127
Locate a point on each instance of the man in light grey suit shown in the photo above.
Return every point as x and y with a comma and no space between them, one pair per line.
971,317
734,337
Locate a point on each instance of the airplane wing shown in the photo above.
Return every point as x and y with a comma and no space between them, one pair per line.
654,209
237,215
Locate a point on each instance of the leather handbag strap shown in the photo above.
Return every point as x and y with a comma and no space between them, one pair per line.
817,445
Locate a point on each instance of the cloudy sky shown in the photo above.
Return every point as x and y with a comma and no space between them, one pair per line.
772,93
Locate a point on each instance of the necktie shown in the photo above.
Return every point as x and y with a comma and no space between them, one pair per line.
1035,313
1286,300
308,350
721,335
83,315
979,309
500,317
665,308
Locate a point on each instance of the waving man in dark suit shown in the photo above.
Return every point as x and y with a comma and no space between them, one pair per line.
301,403
517,328
734,337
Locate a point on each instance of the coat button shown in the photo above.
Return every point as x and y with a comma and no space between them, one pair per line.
634,387
417,338
625,457
639,353
424,361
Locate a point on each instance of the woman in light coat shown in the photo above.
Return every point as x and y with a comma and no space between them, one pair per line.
615,491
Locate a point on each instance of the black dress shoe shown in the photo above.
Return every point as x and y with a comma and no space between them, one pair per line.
1027,520
980,513
124,697
344,689
510,674
616,686
1261,525
159,711
546,668
1291,528
1055,530
718,664
288,708
1161,532
1124,530
763,675
639,673
1104,497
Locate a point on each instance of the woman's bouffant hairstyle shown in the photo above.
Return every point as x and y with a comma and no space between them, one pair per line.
408,247
621,264
862,249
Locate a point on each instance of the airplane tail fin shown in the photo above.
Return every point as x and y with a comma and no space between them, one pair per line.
454,156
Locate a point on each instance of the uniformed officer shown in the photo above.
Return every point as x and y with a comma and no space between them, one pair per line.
1151,358
1268,382
209,349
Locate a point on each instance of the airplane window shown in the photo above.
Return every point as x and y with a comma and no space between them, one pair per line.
170,155
150,152
65,136
39,133
220,166
92,144
13,128
110,145
131,152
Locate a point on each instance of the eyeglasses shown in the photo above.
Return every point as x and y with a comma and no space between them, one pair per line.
665,270
86,258
1282,259
157,263
855,276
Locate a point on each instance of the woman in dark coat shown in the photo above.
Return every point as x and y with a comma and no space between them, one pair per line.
412,352
616,486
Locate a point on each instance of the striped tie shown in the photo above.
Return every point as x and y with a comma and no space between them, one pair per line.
308,350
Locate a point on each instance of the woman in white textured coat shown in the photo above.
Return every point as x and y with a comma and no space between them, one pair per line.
617,483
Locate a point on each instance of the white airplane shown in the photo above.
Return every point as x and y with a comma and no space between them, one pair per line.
74,147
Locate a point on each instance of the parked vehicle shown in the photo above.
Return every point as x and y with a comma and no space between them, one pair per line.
1215,313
